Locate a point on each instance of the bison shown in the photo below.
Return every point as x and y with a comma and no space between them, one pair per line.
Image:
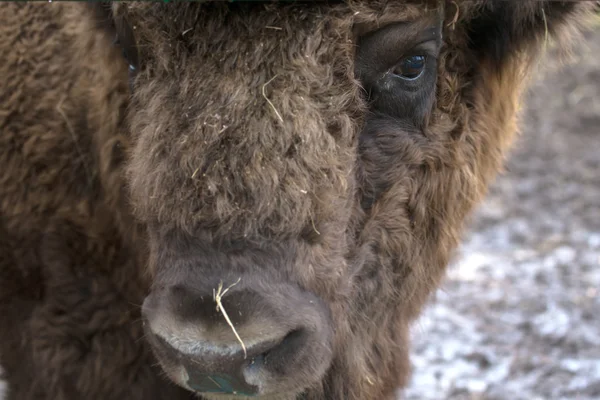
228,199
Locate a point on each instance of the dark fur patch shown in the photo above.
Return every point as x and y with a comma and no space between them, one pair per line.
503,28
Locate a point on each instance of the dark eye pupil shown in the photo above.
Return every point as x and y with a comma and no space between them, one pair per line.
411,67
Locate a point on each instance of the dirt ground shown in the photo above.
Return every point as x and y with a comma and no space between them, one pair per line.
519,314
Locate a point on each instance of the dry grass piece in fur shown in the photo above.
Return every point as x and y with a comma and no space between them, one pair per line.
218,296
269,101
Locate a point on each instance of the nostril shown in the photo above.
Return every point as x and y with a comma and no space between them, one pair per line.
287,343
293,338
277,357
290,342
257,362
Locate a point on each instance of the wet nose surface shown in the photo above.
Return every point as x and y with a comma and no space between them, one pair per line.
245,343
204,378
218,383
228,370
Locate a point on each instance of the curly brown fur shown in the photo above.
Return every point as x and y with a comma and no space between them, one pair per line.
247,132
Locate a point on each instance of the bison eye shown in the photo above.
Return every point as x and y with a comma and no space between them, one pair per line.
411,68
397,66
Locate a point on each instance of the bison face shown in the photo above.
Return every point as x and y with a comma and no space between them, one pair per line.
303,171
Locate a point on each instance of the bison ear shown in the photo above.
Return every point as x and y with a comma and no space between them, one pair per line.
503,28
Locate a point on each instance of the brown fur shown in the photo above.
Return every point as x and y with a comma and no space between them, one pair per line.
100,192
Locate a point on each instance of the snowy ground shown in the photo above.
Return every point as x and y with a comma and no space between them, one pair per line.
519,315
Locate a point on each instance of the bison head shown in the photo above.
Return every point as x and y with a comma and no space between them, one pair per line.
303,171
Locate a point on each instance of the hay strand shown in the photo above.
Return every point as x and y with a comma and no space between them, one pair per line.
264,93
218,296
546,33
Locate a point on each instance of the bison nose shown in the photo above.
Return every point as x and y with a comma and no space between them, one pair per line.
239,340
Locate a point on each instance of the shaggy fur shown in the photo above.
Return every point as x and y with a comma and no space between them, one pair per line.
244,129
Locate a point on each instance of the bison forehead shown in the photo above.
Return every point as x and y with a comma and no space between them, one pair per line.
244,132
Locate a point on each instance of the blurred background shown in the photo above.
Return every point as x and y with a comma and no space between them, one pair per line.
519,314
